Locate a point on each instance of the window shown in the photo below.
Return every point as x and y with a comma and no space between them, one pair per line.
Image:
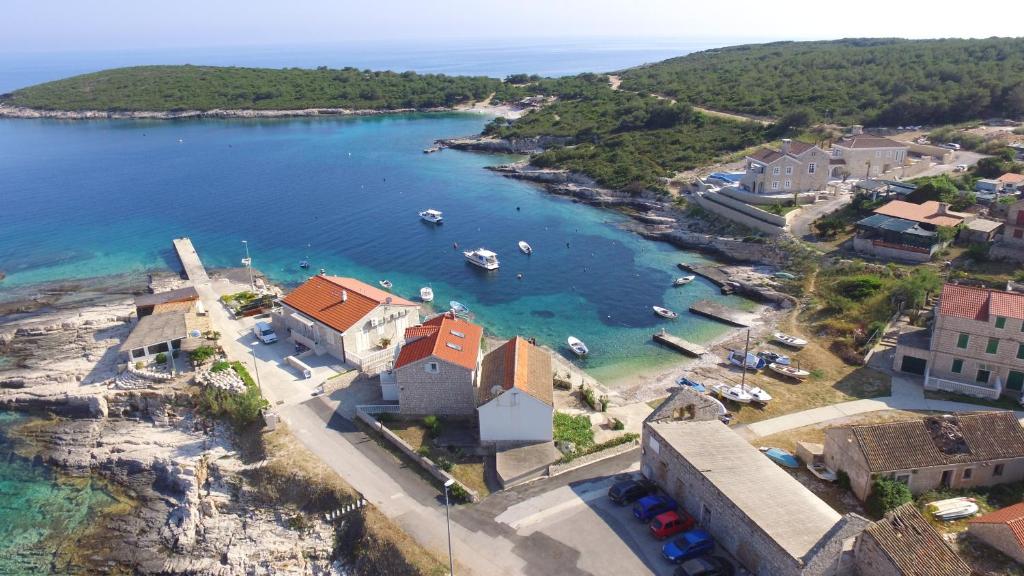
453,345
431,367
812,168
997,470
968,472
903,478
789,170
888,153
787,184
1000,321
1020,351
962,340
458,334
775,184
958,366
983,376
836,152
993,346
878,153
775,171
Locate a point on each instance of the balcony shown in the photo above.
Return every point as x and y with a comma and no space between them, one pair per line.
964,389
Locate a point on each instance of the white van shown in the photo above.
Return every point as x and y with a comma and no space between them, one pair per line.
264,333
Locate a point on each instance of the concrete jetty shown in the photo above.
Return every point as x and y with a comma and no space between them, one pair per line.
716,311
679,345
194,269
711,273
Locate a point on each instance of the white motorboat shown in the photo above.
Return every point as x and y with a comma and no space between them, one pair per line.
731,392
953,508
821,471
753,362
788,340
483,258
683,280
386,284
788,371
427,294
525,248
458,307
665,312
759,395
432,216
577,346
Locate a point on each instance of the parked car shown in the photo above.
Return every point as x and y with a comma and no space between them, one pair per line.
951,145
671,523
264,333
960,168
706,566
629,491
646,508
692,544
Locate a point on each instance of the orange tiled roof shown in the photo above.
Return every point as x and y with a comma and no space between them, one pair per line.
320,298
1012,516
1011,178
927,213
517,364
445,337
980,303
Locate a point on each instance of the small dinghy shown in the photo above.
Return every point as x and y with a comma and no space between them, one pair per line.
427,294
753,362
577,346
684,381
734,393
458,307
386,284
822,472
774,357
525,248
304,264
953,509
665,312
788,340
683,280
759,395
780,457
789,371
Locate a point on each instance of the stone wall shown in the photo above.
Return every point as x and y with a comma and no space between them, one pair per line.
1000,537
871,559
768,200
736,216
448,392
747,209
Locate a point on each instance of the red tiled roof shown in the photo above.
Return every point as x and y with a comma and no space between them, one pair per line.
766,155
913,546
980,303
797,147
517,364
1011,178
927,213
1012,516
440,337
868,141
320,298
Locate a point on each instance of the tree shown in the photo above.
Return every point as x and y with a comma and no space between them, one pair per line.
830,226
990,167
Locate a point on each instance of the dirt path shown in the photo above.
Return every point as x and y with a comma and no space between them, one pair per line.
615,82
736,117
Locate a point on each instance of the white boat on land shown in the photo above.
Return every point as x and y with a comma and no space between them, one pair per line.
483,258
788,340
665,312
386,284
458,307
753,362
526,248
821,471
432,216
731,392
759,395
788,371
577,346
427,294
683,280
953,508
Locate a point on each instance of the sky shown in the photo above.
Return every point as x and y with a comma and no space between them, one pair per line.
76,25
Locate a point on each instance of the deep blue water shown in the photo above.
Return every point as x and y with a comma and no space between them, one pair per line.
84,199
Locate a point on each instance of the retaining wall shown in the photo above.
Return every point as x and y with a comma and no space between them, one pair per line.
766,200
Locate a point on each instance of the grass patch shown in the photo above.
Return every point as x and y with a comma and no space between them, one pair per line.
575,429
466,468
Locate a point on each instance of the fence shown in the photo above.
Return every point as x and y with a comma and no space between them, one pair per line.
373,363
961,388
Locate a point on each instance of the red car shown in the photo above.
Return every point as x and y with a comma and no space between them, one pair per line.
670,524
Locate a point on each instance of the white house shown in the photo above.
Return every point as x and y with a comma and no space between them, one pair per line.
516,399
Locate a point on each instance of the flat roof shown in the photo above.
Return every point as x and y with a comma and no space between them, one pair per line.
773,500
155,329
893,224
177,295
982,225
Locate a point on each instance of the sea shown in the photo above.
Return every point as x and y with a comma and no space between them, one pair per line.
82,199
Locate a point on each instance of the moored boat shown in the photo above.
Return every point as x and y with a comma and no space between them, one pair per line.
577,346
525,248
483,258
789,371
780,457
386,284
683,280
731,392
432,216
788,340
665,312
752,363
304,264
427,294
458,307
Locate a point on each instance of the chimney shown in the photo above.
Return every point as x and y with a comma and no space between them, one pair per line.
856,130
943,208
785,145
344,295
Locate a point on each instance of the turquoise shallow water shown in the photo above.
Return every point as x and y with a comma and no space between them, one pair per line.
83,199
38,514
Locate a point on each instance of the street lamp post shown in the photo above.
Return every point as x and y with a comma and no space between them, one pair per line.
255,367
447,519
248,264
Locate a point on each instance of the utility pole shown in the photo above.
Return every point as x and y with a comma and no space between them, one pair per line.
447,519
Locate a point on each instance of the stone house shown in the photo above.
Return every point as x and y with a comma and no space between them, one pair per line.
866,156
437,370
756,511
1001,529
516,394
347,319
1011,182
905,544
961,451
795,167
1010,246
975,345
166,327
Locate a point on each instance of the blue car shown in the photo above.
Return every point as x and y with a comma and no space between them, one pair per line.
692,544
648,507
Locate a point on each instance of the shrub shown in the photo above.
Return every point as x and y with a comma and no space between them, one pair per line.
444,463
887,494
459,494
140,365
220,366
617,424
423,451
433,424
617,441
560,384
575,429
859,287
202,354
978,251
161,358
242,409
843,479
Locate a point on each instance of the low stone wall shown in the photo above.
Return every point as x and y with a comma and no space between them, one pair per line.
560,468
766,200
423,461
747,209
737,216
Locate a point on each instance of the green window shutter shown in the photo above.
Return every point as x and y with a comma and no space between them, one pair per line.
961,341
1020,351
1000,321
993,346
958,366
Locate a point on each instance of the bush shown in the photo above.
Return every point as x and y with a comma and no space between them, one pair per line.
843,480
575,429
617,441
859,287
887,494
978,251
242,409
161,358
444,463
140,365
202,354
433,424
423,451
459,494
220,366
617,424
560,384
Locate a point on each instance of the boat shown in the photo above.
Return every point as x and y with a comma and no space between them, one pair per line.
785,275
458,307
953,508
683,280
697,386
432,216
304,264
731,392
665,312
789,371
427,294
753,362
781,457
788,340
386,284
525,248
759,395
822,472
577,346
775,357
483,258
